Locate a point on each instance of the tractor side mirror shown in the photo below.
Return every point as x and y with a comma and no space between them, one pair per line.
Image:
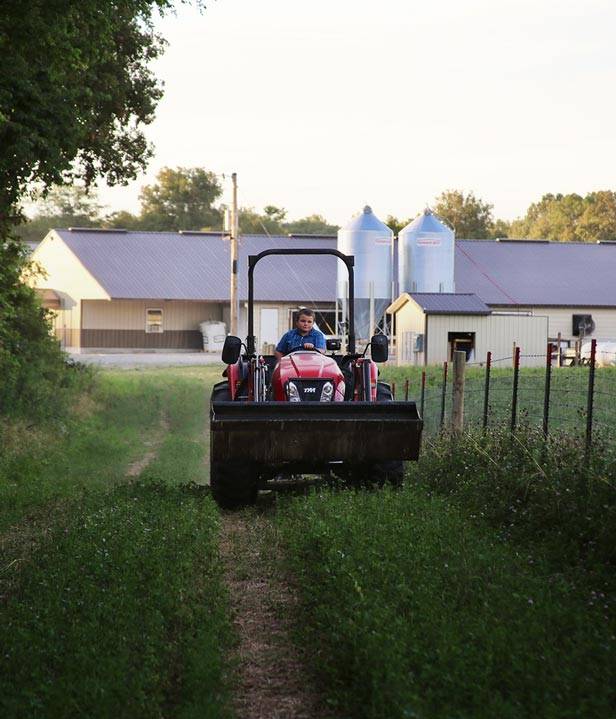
379,348
333,345
231,349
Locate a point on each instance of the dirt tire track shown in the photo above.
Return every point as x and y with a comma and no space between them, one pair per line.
271,680
135,468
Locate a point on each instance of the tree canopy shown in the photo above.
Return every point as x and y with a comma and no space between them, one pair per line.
272,222
62,206
75,94
181,199
78,93
469,216
570,218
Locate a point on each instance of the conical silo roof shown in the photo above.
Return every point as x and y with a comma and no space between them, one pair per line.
426,222
366,221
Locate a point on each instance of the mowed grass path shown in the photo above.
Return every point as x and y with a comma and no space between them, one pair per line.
414,603
111,593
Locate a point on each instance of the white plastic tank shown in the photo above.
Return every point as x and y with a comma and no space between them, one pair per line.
426,255
370,241
214,334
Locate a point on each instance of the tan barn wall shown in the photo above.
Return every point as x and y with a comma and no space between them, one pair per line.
410,322
130,314
65,274
561,320
121,323
494,333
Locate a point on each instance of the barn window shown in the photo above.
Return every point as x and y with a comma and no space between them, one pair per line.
153,320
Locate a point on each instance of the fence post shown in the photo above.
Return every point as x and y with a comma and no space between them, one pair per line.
591,394
546,391
457,410
406,389
393,390
514,398
423,392
444,394
486,390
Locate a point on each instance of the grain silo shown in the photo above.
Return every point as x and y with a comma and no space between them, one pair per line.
370,242
426,255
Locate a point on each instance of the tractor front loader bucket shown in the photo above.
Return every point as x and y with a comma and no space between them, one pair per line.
273,432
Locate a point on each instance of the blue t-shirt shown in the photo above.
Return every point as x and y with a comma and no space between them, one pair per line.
293,340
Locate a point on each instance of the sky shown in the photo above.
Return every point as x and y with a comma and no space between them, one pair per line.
328,105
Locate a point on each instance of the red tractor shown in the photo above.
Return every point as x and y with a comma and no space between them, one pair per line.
309,413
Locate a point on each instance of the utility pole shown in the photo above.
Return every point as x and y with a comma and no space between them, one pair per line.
233,315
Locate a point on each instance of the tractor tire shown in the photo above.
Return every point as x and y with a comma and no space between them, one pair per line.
392,471
233,484
379,473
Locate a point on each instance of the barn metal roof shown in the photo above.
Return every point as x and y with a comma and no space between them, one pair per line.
196,266
530,273
450,303
171,265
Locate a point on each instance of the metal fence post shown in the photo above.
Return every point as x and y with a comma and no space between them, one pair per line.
486,390
393,390
457,409
423,392
443,394
546,391
514,398
406,389
591,393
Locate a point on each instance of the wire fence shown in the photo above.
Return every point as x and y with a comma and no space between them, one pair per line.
580,400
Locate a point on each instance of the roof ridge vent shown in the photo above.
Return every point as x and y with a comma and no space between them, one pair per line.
522,239
96,229
207,233
308,236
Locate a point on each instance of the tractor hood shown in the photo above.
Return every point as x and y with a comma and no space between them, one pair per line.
307,365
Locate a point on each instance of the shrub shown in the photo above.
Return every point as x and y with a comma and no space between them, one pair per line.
37,379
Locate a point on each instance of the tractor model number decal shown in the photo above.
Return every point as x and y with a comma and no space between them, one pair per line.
310,389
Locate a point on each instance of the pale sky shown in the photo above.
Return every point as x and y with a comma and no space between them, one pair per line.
327,105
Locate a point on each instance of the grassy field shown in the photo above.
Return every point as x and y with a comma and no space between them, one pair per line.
485,587
568,396
111,597
421,609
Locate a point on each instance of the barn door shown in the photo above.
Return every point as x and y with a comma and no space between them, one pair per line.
268,334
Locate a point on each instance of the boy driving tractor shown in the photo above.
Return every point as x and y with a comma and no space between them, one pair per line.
304,336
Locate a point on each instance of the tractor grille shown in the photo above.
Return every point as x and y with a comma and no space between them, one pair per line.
310,389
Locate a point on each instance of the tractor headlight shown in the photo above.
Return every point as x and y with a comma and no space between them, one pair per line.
293,392
327,392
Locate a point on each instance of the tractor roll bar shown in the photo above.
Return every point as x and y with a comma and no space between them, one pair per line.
348,260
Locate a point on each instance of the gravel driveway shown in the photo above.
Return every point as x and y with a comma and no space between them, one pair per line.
149,359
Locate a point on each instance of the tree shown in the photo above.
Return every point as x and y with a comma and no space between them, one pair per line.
62,206
75,93
122,219
181,199
311,225
253,223
395,224
78,92
554,217
469,216
598,221
500,228
277,214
